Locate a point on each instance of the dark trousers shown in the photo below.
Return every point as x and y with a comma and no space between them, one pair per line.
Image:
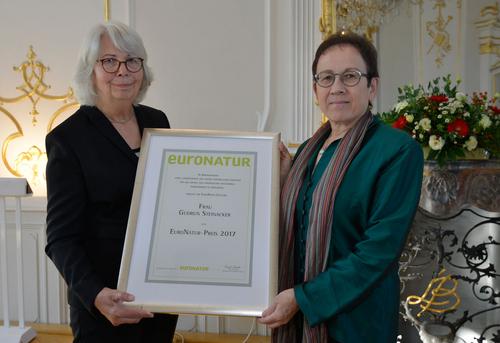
92,328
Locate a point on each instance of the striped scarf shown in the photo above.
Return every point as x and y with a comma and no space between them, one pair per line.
320,219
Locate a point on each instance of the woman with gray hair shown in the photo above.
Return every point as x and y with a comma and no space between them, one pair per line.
92,161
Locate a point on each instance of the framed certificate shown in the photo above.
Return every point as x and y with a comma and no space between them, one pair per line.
202,233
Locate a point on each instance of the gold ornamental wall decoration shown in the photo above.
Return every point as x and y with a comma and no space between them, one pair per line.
33,89
328,19
489,43
488,16
437,31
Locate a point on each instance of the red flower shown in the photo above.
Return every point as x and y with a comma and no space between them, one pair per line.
438,98
495,109
459,126
400,123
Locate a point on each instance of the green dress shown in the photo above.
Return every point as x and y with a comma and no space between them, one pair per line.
358,294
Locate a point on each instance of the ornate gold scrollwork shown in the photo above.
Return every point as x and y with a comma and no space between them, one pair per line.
328,19
489,45
10,138
489,19
437,31
489,10
33,89
438,298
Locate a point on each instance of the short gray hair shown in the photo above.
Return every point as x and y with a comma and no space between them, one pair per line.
125,39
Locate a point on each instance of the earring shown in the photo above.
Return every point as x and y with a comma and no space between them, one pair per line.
316,102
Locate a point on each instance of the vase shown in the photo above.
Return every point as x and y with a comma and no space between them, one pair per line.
457,228
476,154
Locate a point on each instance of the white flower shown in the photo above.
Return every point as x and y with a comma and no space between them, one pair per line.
421,136
466,114
454,105
400,106
409,117
471,143
447,120
461,97
485,121
425,123
435,142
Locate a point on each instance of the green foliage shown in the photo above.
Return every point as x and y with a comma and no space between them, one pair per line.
448,123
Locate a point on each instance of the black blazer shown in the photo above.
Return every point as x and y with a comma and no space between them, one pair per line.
90,178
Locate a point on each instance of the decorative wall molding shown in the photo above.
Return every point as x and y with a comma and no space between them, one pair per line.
437,30
262,117
305,115
33,89
439,39
130,13
488,32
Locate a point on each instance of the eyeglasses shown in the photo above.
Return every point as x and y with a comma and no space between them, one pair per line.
349,78
111,65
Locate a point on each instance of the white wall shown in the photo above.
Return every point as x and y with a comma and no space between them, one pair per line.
396,58
208,59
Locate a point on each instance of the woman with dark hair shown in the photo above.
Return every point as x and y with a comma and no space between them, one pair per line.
347,204
92,161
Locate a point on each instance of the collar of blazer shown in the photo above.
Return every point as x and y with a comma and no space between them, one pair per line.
105,127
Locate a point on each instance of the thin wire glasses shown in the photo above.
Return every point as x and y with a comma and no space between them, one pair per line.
349,78
111,65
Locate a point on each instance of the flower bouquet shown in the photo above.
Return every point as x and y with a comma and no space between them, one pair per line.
448,124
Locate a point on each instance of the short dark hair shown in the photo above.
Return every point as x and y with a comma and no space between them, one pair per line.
360,43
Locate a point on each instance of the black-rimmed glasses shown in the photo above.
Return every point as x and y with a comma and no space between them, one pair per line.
111,65
349,78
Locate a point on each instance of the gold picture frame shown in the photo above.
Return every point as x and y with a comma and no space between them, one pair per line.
202,234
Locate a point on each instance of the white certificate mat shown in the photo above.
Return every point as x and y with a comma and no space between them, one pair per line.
205,199
202,231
